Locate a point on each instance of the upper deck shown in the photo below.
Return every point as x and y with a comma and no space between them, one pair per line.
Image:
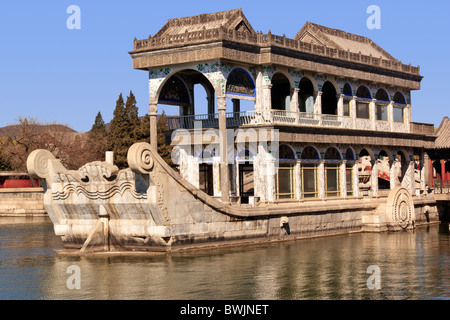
322,78
228,36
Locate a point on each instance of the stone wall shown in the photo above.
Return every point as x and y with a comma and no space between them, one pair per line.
22,202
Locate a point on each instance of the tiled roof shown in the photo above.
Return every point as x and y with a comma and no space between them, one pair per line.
443,135
337,39
231,19
233,26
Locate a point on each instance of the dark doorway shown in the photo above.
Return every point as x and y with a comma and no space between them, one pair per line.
246,182
281,92
206,178
329,99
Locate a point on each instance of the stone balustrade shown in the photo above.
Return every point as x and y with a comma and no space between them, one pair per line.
282,117
265,40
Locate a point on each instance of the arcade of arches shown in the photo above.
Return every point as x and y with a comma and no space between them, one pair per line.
299,172
180,89
311,172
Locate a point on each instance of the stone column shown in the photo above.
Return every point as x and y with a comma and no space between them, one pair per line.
343,179
373,113
298,179
267,102
408,117
271,171
294,100
222,107
353,111
426,166
321,174
410,172
356,192
318,103
267,94
391,115
340,105
217,187
374,179
153,112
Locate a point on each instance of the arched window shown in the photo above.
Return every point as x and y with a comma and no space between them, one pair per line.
332,154
239,82
382,105
347,90
245,155
399,98
280,92
285,174
349,156
363,92
310,153
348,96
180,90
362,104
382,96
174,92
329,98
332,173
399,107
240,92
285,154
310,180
306,96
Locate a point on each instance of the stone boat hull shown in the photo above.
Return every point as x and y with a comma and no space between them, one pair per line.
149,207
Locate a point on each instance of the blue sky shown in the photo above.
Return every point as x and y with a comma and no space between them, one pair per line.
55,74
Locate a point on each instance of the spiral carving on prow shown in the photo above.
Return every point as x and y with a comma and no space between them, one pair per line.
140,158
37,163
401,212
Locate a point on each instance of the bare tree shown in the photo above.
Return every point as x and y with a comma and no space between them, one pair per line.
29,134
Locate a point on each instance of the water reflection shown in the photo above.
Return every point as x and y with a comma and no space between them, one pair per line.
414,265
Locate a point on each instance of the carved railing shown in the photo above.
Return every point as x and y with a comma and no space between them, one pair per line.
309,119
441,186
283,117
269,39
233,119
278,117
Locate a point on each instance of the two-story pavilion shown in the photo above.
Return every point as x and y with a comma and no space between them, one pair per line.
329,116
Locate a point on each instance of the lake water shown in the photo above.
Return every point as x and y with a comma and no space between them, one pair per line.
363,266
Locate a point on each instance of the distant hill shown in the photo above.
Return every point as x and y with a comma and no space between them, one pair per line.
13,130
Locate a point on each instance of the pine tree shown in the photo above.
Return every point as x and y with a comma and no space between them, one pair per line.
164,150
132,114
118,133
143,130
99,125
127,128
97,141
